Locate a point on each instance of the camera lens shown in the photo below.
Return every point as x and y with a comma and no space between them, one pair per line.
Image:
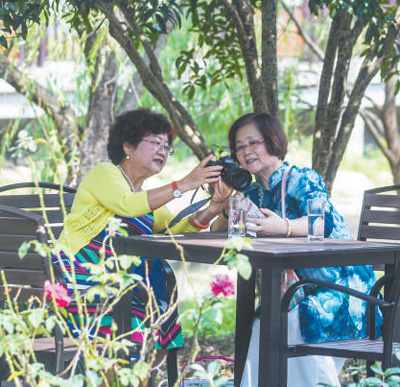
236,177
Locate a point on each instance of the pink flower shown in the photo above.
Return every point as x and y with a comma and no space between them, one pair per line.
58,293
222,284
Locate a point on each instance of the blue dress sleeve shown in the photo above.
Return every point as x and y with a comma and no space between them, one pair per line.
304,184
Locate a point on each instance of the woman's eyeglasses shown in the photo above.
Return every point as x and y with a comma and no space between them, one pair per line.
167,149
252,145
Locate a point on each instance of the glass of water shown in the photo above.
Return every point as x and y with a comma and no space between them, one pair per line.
237,216
316,219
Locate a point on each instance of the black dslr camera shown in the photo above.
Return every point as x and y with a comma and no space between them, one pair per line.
232,174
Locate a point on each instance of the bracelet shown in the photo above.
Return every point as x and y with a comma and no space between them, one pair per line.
224,214
197,224
289,228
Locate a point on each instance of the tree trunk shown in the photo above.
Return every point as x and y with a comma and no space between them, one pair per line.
93,147
242,15
64,119
131,96
152,79
370,67
269,56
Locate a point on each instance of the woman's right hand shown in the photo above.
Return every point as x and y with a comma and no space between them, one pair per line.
200,175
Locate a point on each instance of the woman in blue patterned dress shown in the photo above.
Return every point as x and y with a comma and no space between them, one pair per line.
259,144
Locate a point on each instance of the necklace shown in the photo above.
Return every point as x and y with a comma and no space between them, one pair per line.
127,178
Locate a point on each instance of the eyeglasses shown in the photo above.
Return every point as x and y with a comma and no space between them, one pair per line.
252,145
167,149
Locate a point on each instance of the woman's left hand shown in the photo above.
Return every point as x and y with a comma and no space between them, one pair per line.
271,225
221,195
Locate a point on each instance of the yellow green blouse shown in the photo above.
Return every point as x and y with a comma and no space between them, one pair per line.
103,193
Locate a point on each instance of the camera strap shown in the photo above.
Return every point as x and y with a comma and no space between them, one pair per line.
185,212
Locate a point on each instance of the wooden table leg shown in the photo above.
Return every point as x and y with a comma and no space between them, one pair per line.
244,317
270,324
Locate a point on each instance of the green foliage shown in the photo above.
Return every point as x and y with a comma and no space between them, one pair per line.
211,374
216,39
238,261
18,16
217,321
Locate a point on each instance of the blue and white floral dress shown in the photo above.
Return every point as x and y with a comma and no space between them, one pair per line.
325,314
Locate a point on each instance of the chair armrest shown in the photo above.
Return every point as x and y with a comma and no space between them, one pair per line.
32,184
36,218
327,284
22,213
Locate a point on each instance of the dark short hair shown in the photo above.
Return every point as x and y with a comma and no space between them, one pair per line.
270,128
131,127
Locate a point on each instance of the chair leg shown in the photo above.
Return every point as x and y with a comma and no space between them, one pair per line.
370,363
172,367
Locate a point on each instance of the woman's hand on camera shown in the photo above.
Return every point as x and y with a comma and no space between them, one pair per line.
200,175
220,198
271,225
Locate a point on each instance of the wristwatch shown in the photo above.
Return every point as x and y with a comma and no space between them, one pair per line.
175,191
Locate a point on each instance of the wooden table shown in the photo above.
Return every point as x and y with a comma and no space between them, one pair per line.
270,256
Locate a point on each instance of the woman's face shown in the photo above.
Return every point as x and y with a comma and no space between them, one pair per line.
252,152
151,153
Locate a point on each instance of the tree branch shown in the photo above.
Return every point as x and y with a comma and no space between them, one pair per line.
62,115
186,127
370,67
307,39
243,21
269,56
154,65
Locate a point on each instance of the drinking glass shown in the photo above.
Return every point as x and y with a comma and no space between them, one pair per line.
316,219
237,216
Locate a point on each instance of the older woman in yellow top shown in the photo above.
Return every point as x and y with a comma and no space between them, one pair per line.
138,146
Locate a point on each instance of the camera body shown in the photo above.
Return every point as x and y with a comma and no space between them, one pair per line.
232,174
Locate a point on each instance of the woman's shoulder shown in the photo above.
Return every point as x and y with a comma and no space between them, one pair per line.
305,174
303,180
101,172
103,167
302,171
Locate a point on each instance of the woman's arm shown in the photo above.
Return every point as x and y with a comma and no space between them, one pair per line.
220,199
274,225
110,189
200,175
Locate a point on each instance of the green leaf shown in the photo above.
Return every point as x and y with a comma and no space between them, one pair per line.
40,248
393,370
213,368
35,317
50,323
244,268
191,92
238,243
377,369
141,369
3,41
23,249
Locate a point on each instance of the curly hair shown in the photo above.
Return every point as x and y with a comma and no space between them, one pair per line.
274,137
131,127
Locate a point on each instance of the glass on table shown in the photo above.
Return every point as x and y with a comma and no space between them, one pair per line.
316,219
237,216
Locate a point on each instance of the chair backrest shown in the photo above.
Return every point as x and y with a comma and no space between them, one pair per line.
26,276
380,215
52,201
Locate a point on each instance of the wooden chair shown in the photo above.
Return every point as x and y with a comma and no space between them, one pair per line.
50,201
380,221
25,278
29,196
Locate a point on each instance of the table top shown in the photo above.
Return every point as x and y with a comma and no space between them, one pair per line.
286,252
